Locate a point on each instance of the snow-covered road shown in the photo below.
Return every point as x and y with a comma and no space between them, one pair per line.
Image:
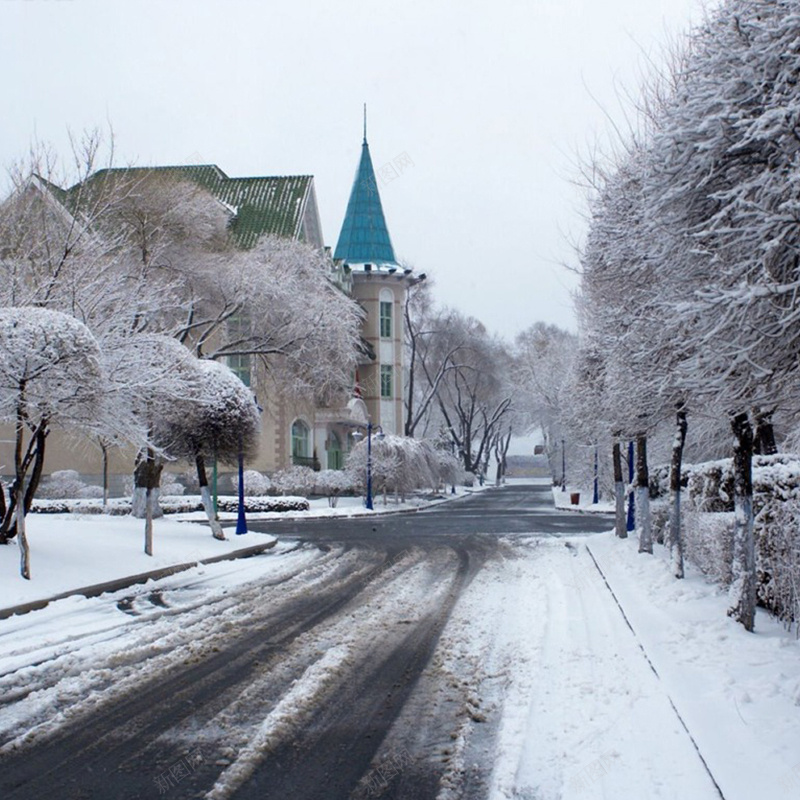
436,666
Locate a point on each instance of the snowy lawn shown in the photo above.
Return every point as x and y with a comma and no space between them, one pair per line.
70,552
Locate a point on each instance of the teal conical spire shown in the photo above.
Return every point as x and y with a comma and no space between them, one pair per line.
364,238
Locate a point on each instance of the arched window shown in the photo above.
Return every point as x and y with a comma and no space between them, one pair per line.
301,443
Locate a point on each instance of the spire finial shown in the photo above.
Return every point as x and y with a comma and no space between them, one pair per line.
365,123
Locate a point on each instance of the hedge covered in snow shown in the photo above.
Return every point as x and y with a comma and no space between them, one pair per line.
707,504
170,505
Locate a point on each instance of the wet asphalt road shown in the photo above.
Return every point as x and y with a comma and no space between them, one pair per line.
510,510
332,749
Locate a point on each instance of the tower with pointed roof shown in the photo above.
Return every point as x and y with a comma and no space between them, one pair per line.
379,283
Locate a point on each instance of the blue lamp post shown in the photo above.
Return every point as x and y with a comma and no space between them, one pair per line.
563,466
596,494
241,522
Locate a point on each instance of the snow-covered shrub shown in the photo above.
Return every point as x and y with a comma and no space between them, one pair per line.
171,487
777,531
708,527
332,483
91,492
169,505
257,504
708,543
295,480
190,481
399,465
64,483
255,483
450,469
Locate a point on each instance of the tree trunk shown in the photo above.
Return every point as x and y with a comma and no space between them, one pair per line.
630,522
147,476
40,437
206,499
675,537
148,522
743,587
764,444
24,550
104,451
3,509
619,493
643,497
19,487
146,480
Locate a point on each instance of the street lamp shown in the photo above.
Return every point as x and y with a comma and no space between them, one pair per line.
630,523
369,503
596,494
563,466
241,521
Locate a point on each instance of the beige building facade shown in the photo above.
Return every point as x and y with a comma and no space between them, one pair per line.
364,266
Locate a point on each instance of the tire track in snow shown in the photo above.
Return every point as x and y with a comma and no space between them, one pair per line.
152,701
129,732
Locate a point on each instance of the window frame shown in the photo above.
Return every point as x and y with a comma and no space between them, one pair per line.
387,381
385,319
305,438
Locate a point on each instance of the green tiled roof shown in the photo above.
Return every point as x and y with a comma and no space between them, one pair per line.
261,206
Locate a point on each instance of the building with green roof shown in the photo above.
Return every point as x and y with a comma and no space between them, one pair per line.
364,265
284,206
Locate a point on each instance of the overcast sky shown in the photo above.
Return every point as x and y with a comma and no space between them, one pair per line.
477,112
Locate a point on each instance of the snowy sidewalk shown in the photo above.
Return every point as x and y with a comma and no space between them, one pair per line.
738,693
685,705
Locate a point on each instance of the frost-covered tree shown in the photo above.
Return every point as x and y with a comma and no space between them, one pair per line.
432,343
219,420
50,374
726,158
60,250
543,355
399,465
697,231
277,304
471,371
152,378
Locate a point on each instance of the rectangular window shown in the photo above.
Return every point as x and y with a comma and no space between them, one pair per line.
241,365
386,319
387,372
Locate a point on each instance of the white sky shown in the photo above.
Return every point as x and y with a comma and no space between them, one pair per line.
491,101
